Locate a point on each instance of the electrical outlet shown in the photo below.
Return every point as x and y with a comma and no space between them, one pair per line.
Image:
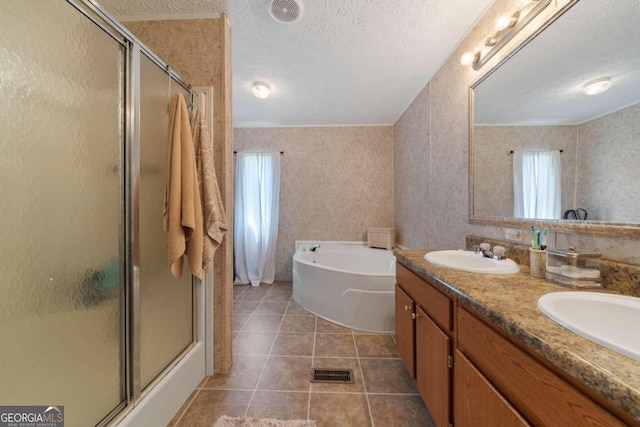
513,234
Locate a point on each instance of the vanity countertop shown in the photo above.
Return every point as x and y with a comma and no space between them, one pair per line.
509,302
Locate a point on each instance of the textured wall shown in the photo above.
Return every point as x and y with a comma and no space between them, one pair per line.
493,165
335,182
609,150
411,165
447,205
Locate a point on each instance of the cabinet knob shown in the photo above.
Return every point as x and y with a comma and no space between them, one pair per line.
414,315
407,308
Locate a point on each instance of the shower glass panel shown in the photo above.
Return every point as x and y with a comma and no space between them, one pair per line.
62,88
166,303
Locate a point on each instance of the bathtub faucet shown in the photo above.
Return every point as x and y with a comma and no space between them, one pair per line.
314,247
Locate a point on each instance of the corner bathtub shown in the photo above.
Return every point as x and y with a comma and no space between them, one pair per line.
348,284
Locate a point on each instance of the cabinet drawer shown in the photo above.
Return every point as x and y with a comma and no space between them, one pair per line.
540,395
436,304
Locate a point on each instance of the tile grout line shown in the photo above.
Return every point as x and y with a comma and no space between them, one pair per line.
246,411
364,384
187,407
313,355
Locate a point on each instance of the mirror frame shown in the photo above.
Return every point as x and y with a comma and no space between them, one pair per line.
594,228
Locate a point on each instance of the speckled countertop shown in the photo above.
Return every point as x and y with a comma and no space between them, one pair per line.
509,302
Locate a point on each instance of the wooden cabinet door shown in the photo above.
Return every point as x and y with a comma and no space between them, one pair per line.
477,403
432,367
405,330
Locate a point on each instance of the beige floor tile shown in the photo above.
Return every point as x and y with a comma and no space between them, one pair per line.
208,405
339,410
239,320
387,376
178,415
271,307
399,411
336,345
244,374
286,373
253,343
293,344
245,307
295,323
326,327
339,363
252,296
283,285
237,291
263,323
281,405
296,309
278,296
376,346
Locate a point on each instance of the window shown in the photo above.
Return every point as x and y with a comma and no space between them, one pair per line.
536,184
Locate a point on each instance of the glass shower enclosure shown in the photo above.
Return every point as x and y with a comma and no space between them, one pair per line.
90,316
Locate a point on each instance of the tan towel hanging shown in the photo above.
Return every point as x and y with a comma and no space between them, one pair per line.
182,217
214,219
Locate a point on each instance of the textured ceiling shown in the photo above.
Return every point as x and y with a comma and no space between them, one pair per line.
344,62
542,84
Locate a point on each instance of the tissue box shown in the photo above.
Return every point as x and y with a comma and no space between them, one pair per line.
573,269
381,237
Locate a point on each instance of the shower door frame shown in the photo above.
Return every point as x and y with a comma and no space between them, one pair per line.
163,397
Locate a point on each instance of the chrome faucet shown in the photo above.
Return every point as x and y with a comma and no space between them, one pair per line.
498,252
314,247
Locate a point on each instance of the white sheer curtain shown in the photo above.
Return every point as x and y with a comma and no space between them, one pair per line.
536,184
257,201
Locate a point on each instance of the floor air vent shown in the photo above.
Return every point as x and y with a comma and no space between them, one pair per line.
341,376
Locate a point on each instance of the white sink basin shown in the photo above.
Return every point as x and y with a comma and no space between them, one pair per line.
609,320
470,261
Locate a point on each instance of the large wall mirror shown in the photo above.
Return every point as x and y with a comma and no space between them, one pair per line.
541,148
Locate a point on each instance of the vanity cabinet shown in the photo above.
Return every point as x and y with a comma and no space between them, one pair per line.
541,396
496,380
423,335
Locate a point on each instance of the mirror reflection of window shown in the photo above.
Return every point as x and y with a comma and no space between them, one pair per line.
536,184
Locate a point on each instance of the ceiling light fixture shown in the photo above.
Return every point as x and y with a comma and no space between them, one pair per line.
261,89
597,86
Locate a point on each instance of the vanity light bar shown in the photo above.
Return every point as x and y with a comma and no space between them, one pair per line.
506,26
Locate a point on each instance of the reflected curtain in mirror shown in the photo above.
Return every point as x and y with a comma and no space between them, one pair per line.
536,184
256,210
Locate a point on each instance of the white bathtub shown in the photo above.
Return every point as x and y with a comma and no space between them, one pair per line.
346,283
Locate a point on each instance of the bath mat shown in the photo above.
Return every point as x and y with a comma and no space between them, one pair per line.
225,421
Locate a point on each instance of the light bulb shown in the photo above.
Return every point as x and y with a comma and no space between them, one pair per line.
504,21
261,90
594,87
468,58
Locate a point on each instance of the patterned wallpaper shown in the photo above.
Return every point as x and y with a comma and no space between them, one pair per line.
335,182
436,126
411,165
609,150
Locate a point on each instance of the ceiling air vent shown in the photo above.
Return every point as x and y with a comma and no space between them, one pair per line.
285,11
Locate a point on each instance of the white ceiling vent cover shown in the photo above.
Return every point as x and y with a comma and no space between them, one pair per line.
285,11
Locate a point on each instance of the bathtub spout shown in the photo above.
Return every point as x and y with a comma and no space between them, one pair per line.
314,247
